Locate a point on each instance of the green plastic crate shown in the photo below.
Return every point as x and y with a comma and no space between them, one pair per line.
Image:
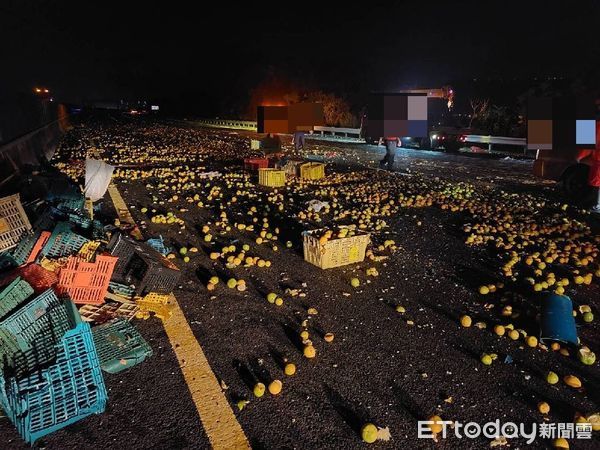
119,346
13,295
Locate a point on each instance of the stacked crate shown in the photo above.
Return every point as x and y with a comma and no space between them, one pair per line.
50,374
13,222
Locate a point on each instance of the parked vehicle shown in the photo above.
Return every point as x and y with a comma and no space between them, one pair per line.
563,166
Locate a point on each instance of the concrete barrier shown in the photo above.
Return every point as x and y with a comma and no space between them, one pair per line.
31,150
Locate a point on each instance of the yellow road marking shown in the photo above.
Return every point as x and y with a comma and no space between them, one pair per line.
218,420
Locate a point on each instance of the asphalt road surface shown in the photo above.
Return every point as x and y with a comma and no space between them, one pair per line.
385,367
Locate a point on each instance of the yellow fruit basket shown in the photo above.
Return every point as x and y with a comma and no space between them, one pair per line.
335,252
271,177
312,171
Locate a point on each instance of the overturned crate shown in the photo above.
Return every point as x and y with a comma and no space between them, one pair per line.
108,311
30,334
60,394
334,252
86,282
271,177
14,295
119,346
141,265
158,304
63,241
312,171
13,222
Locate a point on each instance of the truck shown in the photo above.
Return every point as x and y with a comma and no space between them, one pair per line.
445,93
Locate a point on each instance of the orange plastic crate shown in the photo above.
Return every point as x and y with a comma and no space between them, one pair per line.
86,282
38,246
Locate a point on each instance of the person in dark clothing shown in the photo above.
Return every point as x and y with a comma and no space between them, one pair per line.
299,140
391,144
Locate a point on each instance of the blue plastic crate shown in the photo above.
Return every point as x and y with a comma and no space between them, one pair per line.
30,334
119,346
13,295
158,244
57,396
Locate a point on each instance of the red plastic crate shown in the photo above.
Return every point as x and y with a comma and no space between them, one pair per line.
256,163
38,246
39,278
86,282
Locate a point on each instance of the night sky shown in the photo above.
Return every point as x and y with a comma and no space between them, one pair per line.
212,54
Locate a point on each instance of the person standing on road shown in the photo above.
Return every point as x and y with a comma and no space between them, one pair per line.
299,140
391,144
594,173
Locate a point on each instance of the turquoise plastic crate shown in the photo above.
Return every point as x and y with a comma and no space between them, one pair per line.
82,221
59,395
63,241
24,247
13,295
119,346
30,334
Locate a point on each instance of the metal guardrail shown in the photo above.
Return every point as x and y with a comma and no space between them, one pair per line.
251,126
355,132
479,139
336,131
223,123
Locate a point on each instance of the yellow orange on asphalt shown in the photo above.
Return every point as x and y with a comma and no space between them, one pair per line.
259,390
552,378
594,419
513,334
436,426
499,330
289,369
328,337
466,321
309,351
543,407
560,443
275,387
573,381
369,433
531,341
